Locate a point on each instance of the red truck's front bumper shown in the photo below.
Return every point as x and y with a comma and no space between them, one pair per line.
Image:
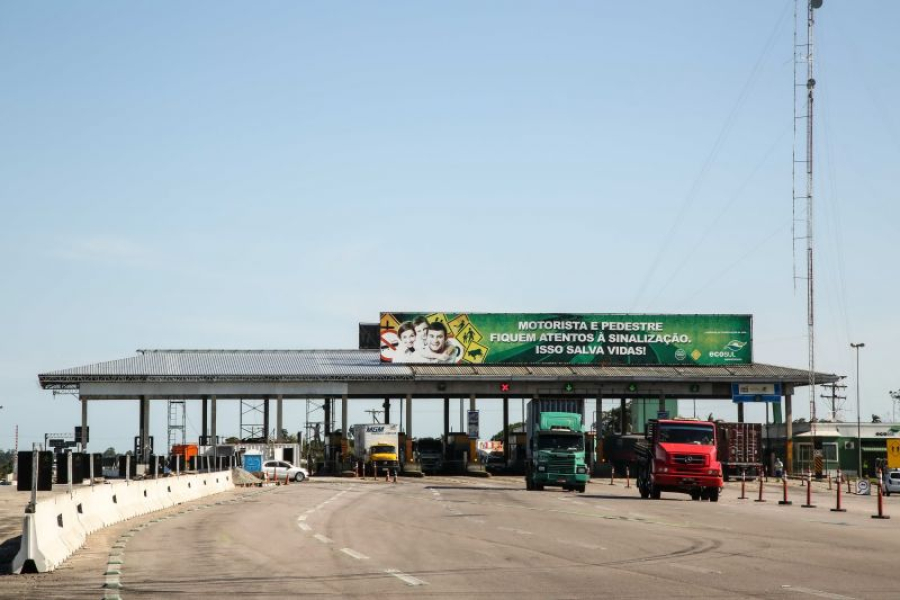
686,481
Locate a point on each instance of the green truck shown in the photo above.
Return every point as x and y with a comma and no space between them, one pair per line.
555,450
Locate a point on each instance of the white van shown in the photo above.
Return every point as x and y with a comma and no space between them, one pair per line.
891,481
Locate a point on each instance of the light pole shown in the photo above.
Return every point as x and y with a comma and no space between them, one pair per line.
858,415
895,396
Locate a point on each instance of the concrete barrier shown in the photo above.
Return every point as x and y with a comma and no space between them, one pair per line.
60,524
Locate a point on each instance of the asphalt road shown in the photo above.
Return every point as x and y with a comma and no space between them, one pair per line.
449,538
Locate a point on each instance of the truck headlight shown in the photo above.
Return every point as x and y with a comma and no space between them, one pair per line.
542,468
714,472
581,470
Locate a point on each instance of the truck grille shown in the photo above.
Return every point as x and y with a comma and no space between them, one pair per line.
563,465
690,460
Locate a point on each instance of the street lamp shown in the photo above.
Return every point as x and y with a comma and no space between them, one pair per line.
895,396
858,421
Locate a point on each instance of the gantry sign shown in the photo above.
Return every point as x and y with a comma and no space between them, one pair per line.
566,339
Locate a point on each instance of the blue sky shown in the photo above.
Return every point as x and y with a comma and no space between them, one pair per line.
266,175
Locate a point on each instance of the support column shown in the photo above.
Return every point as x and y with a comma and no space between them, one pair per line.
788,434
740,412
473,442
409,429
144,429
446,419
212,422
387,410
204,422
265,420
505,431
279,421
327,408
345,443
84,425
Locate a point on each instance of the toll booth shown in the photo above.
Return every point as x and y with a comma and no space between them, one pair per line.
45,471
457,449
518,442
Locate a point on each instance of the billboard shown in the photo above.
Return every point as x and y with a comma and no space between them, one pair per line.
565,339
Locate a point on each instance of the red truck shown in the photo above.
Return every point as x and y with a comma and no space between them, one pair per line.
679,455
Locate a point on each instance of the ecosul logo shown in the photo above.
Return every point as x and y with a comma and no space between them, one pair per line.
729,350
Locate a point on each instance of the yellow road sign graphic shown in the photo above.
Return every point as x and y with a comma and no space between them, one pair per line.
458,324
475,353
893,454
389,322
696,354
469,335
437,318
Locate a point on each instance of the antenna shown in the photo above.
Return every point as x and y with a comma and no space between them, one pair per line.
802,222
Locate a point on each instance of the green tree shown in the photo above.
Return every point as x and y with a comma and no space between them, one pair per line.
610,421
876,419
513,427
109,452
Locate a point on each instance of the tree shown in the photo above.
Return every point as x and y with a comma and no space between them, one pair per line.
876,419
109,452
610,421
513,427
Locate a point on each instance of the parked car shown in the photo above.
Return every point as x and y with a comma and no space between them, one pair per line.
284,469
891,481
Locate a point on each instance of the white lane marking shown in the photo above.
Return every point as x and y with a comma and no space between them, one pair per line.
407,579
322,538
696,569
354,554
514,530
818,593
304,526
301,518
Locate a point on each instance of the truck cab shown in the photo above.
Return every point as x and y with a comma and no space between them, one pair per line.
679,456
555,452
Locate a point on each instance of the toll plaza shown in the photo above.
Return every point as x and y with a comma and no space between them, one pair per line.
474,358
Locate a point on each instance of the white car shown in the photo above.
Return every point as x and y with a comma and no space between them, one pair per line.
282,469
891,481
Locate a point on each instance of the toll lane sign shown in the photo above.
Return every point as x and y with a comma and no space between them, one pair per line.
893,454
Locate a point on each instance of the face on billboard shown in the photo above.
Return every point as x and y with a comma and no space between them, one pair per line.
436,340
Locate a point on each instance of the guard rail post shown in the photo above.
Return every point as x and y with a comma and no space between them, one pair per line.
760,499
837,507
809,503
743,485
785,501
880,514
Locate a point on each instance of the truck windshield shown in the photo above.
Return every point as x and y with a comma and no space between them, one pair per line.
382,450
560,441
686,434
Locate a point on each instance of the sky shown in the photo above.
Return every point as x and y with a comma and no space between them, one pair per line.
269,174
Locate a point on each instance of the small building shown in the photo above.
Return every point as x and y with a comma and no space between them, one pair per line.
838,442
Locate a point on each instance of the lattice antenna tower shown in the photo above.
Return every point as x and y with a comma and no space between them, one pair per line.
802,222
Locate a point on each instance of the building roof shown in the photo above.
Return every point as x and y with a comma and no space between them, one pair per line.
365,365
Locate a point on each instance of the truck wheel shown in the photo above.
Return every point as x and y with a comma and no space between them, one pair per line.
714,495
539,487
580,489
655,492
695,495
528,485
726,476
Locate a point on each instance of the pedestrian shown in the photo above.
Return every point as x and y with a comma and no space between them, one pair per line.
779,467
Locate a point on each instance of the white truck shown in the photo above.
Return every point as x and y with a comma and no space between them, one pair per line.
376,445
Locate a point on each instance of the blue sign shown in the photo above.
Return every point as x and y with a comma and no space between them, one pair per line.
253,463
756,392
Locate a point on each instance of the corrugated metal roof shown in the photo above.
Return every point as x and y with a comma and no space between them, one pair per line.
242,363
302,365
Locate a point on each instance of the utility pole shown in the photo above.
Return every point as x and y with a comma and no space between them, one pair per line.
374,412
835,398
895,398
